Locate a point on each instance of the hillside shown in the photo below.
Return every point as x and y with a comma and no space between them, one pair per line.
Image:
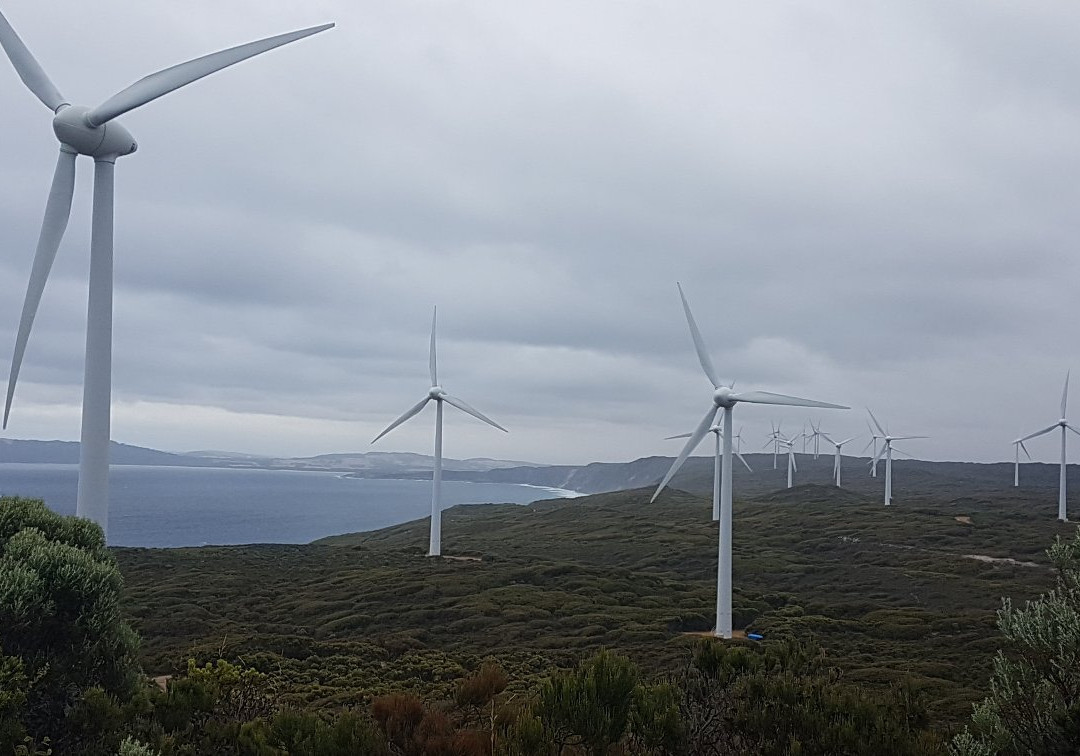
891,593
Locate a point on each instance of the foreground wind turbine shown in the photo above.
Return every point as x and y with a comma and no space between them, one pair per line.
836,459
887,450
1019,444
94,132
724,398
717,429
1063,424
437,395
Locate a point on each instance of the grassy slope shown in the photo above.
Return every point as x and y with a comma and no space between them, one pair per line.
887,592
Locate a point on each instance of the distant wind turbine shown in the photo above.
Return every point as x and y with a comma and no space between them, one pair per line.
1019,444
887,451
1063,424
95,132
724,398
774,443
792,468
815,437
873,455
437,395
836,459
717,430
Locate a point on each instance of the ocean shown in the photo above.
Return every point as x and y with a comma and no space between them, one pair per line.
163,507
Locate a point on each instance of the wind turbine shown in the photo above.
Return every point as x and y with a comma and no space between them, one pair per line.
887,451
437,395
96,133
1019,444
717,429
792,468
1063,424
815,436
836,459
874,455
724,397
774,440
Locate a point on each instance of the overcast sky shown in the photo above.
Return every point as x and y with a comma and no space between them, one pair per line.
870,203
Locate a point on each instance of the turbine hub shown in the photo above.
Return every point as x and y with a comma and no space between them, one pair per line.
436,392
108,139
1063,422
722,397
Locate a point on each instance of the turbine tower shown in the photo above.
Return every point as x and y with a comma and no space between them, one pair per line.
96,133
836,459
724,397
1063,424
887,451
437,395
717,429
1019,444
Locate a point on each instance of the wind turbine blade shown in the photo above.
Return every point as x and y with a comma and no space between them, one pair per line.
768,397
1065,393
1074,430
57,211
826,437
1025,449
901,451
905,438
431,354
1039,433
750,469
868,445
167,80
689,446
880,429
846,440
681,435
412,411
29,70
475,413
699,343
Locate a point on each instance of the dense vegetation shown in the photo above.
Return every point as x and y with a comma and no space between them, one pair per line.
879,630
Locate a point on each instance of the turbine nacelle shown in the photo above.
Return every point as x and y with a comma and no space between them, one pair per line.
436,392
1063,422
72,127
722,397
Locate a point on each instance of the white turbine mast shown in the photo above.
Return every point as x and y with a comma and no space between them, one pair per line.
816,437
1064,425
887,450
437,395
717,429
1018,444
724,397
836,459
96,133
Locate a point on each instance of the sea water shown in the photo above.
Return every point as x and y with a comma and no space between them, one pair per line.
198,506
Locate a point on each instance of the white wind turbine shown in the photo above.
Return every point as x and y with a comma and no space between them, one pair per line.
94,132
717,430
816,437
1019,444
437,395
836,459
774,442
1063,424
887,451
724,397
874,455
792,468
